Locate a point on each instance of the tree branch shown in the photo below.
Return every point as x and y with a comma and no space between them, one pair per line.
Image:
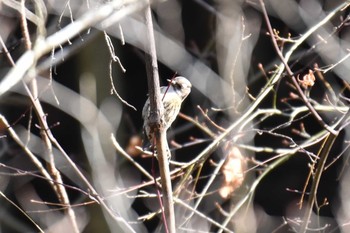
323,154
157,125
45,45
291,74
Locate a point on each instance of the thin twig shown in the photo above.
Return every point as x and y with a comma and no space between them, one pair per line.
60,189
128,157
33,92
7,53
34,159
114,57
204,216
198,124
205,114
46,130
90,18
323,154
291,74
114,90
22,211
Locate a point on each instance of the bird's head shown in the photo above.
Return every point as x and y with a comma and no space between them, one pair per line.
181,86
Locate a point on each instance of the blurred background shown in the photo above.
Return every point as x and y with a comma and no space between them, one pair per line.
261,171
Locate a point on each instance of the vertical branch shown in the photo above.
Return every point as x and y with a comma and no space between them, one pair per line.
24,26
33,93
157,125
323,154
56,175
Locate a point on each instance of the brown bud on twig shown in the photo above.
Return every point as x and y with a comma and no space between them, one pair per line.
308,80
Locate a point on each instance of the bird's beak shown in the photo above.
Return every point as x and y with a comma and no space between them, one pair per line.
171,81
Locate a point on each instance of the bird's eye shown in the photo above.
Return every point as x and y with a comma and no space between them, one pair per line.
178,86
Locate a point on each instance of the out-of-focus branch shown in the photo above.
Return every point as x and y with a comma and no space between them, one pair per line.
94,193
34,159
263,93
333,132
33,93
59,188
45,45
157,125
279,159
177,200
128,157
26,66
22,211
198,124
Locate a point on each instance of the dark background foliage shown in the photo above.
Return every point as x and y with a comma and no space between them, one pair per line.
277,194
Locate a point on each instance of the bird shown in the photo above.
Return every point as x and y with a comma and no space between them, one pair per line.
172,98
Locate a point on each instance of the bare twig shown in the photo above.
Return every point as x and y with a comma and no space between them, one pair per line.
7,53
128,157
198,124
331,67
34,159
205,114
51,141
156,124
60,189
55,174
291,74
194,211
323,154
114,57
45,45
114,90
22,211
328,143
235,60
94,193
24,27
